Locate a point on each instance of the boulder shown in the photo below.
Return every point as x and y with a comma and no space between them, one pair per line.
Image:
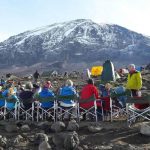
71,141
11,128
44,146
145,128
58,140
40,137
3,141
58,126
72,126
18,139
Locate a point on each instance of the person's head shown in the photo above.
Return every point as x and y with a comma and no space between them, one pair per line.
90,81
69,83
131,67
108,86
47,84
29,86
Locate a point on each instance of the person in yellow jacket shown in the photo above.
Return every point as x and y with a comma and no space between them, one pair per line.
134,81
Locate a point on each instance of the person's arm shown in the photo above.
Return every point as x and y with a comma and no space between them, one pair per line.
139,81
4,94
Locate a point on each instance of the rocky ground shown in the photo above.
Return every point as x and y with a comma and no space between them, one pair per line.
71,136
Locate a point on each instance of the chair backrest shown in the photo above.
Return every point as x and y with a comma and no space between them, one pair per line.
45,99
66,97
90,99
139,100
113,93
11,99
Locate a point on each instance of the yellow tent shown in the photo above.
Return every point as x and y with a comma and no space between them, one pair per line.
96,70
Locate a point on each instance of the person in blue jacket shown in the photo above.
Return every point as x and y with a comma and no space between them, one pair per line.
46,93
68,90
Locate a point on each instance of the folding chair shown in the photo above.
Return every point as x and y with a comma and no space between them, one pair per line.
60,110
24,113
133,113
45,107
118,107
92,110
2,105
114,101
10,108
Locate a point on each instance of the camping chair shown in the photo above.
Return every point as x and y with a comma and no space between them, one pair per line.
2,105
10,108
112,105
133,113
92,110
44,108
25,113
118,102
60,110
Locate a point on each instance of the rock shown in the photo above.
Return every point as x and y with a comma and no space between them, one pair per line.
1,148
40,137
19,139
94,128
144,88
46,126
3,141
72,126
11,128
58,139
25,128
71,141
44,146
145,128
58,126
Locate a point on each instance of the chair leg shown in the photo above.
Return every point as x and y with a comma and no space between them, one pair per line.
95,109
78,113
111,112
37,114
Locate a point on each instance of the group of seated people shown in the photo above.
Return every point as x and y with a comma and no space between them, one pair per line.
32,92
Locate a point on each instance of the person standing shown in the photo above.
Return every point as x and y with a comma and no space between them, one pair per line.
36,75
134,83
134,80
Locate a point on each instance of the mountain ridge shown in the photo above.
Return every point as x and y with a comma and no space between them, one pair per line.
75,41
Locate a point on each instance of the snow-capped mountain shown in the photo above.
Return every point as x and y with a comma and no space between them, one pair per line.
75,41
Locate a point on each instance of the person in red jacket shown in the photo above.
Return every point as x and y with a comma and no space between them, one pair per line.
87,91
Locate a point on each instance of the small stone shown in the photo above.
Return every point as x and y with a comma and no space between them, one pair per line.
25,128
94,128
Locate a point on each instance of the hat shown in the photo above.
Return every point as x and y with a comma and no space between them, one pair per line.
47,84
69,83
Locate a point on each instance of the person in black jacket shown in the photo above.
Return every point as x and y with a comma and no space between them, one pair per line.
36,75
26,96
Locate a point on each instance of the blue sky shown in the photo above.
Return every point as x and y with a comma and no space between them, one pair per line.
17,16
